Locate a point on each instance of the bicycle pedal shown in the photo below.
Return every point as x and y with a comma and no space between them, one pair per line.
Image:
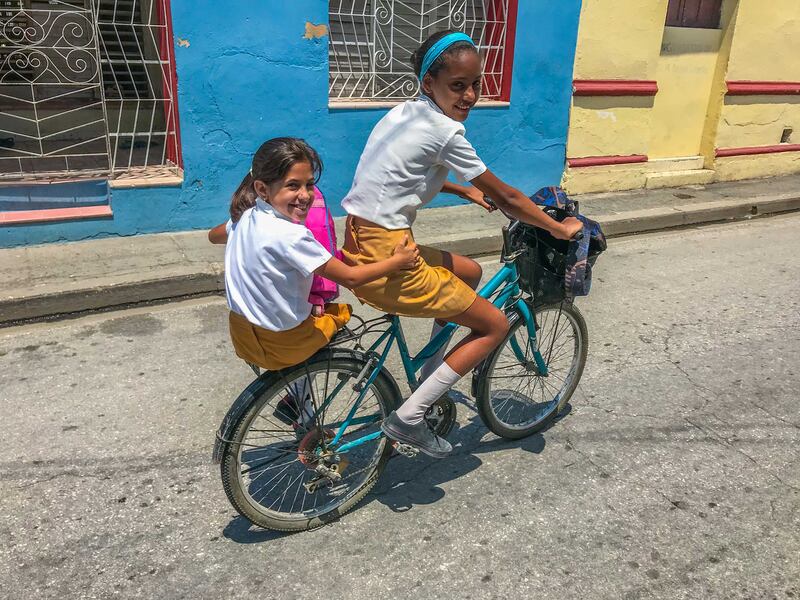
406,449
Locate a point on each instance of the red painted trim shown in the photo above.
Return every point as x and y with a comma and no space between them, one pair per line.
508,62
597,161
769,88
170,81
614,87
493,35
747,151
19,217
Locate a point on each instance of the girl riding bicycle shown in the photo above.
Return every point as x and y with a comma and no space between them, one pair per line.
405,163
271,258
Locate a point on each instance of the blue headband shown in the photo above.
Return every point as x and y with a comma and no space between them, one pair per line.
436,50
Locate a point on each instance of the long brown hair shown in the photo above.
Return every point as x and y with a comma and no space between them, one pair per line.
271,162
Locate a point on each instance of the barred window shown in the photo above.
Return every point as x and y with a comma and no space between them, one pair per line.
371,42
87,89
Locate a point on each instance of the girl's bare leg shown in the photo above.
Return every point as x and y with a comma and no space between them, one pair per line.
470,273
489,327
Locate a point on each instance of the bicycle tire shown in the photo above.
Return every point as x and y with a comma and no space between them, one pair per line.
542,414
272,386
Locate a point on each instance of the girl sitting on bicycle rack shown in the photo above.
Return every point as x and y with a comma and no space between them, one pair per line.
319,222
404,165
271,258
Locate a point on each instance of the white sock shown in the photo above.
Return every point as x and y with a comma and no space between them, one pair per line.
435,361
442,379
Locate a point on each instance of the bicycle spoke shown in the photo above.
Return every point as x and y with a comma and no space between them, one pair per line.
518,396
271,422
282,497
273,449
270,472
265,466
281,474
269,436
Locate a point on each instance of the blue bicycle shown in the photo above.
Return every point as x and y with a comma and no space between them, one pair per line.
302,446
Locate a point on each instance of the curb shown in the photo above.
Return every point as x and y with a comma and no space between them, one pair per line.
644,221
61,304
481,243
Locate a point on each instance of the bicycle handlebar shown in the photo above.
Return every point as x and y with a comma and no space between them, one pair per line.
507,231
514,223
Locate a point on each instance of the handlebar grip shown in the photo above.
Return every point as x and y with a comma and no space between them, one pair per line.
507,231
506,240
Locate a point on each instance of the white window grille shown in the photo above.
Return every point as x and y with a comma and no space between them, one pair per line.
371,42
87,89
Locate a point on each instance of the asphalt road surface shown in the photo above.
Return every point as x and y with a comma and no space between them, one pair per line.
674,475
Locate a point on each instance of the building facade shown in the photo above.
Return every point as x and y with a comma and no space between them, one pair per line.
123,117
677,92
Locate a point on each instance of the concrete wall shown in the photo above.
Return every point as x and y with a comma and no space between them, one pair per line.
691,115
617,39
686,70
765,47
246,73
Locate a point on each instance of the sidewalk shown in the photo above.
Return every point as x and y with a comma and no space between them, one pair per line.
50,280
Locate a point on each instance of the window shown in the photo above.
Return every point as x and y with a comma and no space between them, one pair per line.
703,14
87,89
371,42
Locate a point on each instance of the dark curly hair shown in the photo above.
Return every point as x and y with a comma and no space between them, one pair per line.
419,54
271,162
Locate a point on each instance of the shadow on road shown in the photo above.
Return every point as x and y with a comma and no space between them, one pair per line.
240,530
409,482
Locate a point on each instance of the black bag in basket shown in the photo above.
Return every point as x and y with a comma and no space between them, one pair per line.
554,270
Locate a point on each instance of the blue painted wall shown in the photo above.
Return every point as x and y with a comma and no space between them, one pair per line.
248,74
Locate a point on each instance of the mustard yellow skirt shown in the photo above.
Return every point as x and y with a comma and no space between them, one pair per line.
429,290
274,350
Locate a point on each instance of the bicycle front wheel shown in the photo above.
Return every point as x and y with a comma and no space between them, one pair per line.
515,399
280,469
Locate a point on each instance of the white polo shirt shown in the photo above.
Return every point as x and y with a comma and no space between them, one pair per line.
406,161
269,266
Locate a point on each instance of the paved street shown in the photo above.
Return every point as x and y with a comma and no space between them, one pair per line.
675,475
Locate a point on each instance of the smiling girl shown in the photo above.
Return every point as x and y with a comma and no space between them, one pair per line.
404,165
271,258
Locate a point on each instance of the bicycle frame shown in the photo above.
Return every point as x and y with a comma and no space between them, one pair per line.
504,284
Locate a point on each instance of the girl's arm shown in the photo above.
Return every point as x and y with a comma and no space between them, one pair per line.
467,192
517,205
405,257
218,234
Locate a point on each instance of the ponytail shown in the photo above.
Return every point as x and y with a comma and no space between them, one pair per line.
243,198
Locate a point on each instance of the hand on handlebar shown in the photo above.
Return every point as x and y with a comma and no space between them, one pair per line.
569,229
476,196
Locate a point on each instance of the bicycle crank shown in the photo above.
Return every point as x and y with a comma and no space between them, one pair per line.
327,475
441,416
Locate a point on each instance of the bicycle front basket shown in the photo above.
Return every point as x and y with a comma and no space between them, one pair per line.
542,265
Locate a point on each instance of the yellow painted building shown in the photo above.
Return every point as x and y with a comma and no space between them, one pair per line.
677,92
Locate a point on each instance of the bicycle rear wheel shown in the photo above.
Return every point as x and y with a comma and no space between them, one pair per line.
514,398
279,469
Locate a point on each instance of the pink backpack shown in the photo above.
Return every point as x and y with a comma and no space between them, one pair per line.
320,222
